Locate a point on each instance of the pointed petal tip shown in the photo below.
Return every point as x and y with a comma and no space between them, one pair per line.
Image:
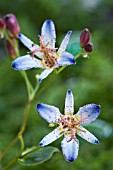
40,144
19,35
69,32
48,21
70,159
14,65
39,106
39,80
97,107
69,91
96,141
73,61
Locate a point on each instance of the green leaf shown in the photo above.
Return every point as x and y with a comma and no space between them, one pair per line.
37,156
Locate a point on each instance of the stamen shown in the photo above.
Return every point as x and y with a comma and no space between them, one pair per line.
48,53
71,124
78,128
73,136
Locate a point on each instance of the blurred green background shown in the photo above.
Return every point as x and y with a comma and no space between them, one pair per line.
91,80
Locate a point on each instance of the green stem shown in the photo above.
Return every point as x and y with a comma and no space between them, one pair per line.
20,132
13,142
44,87
19,157
35,91
78,55
25,118
21,142
16,159
11,163
28,84
23,73
16,48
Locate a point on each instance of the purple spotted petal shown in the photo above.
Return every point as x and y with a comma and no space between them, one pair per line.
88,113
44,74
48,112
65,59
26,62
85,134
55,134
69,103
64,43
29,44
48,33
70,149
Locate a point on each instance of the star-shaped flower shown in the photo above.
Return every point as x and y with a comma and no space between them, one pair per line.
48,56
69,125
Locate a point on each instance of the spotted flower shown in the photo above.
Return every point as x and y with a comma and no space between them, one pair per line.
49,57
69,125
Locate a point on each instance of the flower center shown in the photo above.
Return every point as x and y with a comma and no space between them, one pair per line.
70,124
49,54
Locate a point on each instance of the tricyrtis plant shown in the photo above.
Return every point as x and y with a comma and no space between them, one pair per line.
69,125
48,57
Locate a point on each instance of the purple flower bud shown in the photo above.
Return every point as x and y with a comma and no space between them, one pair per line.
2,24
84,37
88,47
11,25
10,48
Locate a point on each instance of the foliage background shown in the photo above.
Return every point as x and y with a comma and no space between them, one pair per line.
91,80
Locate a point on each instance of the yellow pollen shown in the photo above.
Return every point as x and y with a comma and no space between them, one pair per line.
51,124
76,118
60,129
67,114
68,133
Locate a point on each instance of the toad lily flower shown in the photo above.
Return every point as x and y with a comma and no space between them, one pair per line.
48,56
69,125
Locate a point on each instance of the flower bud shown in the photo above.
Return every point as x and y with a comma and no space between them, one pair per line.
84,37
88,47
10,48
12,25
2,24
1,35
85,55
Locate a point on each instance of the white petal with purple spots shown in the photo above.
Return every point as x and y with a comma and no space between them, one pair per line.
48,112
26,62
65,59
85,134
64,43
44,74
69,103
88,112
48,34
55,134
30,45
70,148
